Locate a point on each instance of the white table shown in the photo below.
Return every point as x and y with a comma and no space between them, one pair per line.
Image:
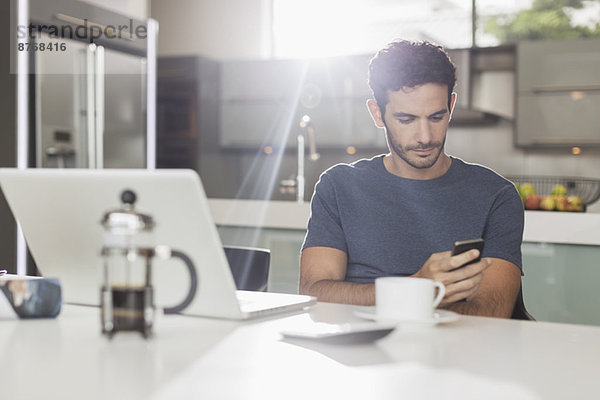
197,358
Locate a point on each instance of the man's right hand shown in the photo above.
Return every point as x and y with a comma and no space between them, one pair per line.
461,283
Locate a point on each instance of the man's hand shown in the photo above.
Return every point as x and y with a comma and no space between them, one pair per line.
489,291
461,283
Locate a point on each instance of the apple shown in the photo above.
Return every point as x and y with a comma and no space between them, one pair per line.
562,203
575,203
559,190
527,189
547,203
532,202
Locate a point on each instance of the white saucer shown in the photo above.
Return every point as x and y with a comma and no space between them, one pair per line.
438,317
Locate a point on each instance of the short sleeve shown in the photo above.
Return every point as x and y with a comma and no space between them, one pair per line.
504,228
325,226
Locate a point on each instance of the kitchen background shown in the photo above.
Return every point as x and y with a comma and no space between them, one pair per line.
249,86
236,77
251,65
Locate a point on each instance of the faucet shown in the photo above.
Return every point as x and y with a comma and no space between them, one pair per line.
296,185
306,125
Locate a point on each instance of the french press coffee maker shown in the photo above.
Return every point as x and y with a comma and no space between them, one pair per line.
127,295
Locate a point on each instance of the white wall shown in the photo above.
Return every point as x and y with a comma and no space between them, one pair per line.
220,29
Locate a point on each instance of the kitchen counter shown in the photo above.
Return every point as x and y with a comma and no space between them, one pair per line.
266,214
560,253
540,226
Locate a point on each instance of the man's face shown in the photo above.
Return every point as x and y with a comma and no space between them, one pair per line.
416,120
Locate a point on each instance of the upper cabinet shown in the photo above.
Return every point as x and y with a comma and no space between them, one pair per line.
263,101
558,102
134,8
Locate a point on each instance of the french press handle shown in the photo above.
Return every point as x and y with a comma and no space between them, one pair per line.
193,283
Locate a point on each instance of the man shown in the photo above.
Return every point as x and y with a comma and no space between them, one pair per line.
400,213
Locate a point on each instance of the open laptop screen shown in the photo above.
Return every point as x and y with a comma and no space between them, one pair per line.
60,213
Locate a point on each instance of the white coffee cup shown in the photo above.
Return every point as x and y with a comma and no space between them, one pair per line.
407,299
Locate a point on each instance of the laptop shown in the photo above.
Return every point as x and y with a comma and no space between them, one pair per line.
60,212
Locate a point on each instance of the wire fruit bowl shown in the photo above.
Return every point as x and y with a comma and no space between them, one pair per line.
586,188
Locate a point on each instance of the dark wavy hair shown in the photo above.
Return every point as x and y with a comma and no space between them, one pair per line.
408,64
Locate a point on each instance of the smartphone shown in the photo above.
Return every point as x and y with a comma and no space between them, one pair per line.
465,245
342,334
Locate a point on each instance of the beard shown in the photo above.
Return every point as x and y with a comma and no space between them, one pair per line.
416,162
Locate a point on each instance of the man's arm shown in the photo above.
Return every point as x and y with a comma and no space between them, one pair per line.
322,273
323,270
489,286
496,294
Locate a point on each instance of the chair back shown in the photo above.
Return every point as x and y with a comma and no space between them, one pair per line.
249,267
519,311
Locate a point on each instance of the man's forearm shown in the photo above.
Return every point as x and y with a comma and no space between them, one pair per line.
332,291
488,306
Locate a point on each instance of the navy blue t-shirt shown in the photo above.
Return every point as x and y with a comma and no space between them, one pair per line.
390,225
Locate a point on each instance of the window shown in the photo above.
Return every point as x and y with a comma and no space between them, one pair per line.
318,28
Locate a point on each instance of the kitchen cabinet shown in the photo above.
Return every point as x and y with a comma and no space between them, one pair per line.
187,96
560,253
263,101
558,84
561,282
